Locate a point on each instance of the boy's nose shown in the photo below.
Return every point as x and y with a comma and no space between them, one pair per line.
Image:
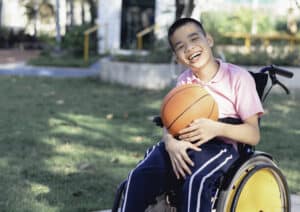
189,47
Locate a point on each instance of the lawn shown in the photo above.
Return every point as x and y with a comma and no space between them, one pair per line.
65,144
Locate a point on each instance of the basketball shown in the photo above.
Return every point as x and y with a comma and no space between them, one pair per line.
185,103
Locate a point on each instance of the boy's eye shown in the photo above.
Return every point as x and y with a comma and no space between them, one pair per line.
179,47
195,38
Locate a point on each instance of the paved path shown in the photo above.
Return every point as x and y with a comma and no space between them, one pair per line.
21,69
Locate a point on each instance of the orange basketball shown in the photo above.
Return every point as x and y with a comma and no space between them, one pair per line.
185,103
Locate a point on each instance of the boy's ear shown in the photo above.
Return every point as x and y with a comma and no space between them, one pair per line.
210,40
176,58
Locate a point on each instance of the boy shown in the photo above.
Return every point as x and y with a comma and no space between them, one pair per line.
205,149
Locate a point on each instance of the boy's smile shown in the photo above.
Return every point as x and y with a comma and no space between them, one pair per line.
193,49
194,57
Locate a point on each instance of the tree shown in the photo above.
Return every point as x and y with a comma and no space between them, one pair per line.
93,10
0,13
57,24
184,8
31,12
70,13
35,9
297,3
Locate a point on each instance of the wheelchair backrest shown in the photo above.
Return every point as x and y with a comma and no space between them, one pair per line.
261,80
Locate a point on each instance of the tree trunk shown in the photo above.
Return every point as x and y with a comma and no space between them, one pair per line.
35,17
57,23
184,8
0,13
93,10
188,8
72,20
82,12
179,8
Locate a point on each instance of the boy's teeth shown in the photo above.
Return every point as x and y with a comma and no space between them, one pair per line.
194,55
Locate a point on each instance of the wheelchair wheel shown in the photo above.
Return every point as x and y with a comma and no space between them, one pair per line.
257,186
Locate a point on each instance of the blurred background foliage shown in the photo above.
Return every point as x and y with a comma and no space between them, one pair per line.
218,23
232,49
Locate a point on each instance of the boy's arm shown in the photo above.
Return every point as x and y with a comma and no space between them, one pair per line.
247,133
202,130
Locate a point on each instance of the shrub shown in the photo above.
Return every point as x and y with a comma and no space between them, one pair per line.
4,33
74,39
159,53
220,22
262,57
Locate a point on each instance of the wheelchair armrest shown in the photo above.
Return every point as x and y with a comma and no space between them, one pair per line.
158,122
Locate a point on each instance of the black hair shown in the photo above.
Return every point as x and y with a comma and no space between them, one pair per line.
181,22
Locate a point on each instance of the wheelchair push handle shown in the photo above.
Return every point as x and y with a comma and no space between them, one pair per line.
277,70
273,71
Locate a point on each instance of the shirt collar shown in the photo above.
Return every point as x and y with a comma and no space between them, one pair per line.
219,75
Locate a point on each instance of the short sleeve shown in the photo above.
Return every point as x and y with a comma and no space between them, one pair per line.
184,78
248,102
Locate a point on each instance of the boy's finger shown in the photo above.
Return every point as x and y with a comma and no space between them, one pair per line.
200,142
179,169
185,167
181,172
195,147
187,159
175,169
186,130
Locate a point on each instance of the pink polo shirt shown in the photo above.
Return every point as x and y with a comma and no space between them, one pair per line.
233,88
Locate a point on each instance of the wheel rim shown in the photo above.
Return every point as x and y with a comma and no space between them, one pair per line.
261,191
227,199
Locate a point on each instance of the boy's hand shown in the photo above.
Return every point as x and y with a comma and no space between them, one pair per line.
177,151
179,158
200,131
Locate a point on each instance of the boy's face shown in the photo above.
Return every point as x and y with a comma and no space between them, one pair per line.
191,47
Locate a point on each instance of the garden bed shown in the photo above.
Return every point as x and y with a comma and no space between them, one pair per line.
139,75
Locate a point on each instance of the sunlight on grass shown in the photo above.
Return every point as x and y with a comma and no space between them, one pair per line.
154,104
88,153
293,179
39,188
74,124
66,144
285,109
26,199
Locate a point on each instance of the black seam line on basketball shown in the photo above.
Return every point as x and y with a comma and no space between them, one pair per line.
173,96
211,111
186,110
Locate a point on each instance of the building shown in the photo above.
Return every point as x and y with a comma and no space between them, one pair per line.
13,15
120,20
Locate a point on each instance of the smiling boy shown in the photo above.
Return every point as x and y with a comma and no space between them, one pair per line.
205,149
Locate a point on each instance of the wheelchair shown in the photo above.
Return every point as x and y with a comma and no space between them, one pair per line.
254,183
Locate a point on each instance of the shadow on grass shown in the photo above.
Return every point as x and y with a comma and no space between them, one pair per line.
65,145
281,134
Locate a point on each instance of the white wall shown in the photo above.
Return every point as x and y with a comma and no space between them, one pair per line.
164,16
12,14
109,19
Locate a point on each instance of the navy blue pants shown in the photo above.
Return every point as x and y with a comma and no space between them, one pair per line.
154,174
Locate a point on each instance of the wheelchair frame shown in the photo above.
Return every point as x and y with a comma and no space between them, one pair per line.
251,168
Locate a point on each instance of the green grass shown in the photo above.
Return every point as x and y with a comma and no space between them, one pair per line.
281,134
65,144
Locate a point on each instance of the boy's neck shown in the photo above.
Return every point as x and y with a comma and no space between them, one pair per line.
208,72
